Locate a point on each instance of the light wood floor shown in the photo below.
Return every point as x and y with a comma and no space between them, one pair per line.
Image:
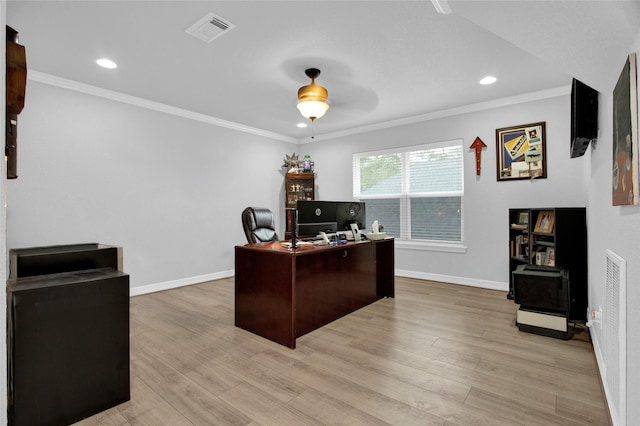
437,354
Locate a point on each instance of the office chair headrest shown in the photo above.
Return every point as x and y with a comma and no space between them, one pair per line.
259,225
262,218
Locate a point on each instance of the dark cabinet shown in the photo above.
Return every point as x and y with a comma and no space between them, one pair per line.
297,186
15,84
552,237
68,333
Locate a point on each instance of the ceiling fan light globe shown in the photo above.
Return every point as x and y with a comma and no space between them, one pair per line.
312,109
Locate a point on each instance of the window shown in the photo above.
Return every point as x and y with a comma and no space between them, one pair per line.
416,192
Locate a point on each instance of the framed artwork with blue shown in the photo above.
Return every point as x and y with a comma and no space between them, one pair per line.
521,152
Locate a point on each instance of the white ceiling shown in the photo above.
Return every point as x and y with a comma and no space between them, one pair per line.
380,60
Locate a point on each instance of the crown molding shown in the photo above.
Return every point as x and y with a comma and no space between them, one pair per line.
482,106
88,89
214,121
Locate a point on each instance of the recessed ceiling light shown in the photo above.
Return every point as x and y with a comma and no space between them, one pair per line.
107,63
302,125
488,80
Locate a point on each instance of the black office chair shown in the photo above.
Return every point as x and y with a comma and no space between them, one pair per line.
258,225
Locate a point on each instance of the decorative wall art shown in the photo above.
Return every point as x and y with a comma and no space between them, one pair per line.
625,137
477,146
521,152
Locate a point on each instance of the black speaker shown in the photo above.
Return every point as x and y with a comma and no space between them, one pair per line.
584,117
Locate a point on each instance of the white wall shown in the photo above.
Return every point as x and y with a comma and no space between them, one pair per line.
617,229
486,201
169,190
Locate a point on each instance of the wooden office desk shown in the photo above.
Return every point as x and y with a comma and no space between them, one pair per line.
281,293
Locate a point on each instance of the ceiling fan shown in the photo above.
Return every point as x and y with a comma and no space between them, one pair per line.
442,6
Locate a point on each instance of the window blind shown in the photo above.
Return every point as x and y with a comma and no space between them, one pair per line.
416,192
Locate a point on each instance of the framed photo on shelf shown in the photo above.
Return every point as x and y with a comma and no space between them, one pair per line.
551,257
521,152
523,218
545,222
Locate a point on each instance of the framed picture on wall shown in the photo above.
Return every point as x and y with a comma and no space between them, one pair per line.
521,152
625,137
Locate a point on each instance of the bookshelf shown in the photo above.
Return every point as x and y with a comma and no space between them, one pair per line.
518,242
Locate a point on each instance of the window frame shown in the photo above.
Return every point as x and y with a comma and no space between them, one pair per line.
404,197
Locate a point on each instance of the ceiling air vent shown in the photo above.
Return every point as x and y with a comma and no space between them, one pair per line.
209,28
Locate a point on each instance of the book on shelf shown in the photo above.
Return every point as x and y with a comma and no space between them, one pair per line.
520,246
545,243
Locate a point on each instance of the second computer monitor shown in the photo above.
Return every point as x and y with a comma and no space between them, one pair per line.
348,212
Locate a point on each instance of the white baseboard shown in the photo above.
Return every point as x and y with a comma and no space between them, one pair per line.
491,285
168,285
597,349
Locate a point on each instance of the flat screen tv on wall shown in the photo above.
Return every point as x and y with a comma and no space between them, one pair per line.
584,117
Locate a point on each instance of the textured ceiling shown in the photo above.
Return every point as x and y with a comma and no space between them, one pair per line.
380,60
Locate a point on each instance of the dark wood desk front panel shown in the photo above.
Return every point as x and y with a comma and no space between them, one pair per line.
332,284
385,265
264,294
282,294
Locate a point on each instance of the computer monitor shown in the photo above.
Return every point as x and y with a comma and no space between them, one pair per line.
313,211
315,216
313,229
348,212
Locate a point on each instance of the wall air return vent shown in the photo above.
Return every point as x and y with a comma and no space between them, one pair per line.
614,321
209,27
